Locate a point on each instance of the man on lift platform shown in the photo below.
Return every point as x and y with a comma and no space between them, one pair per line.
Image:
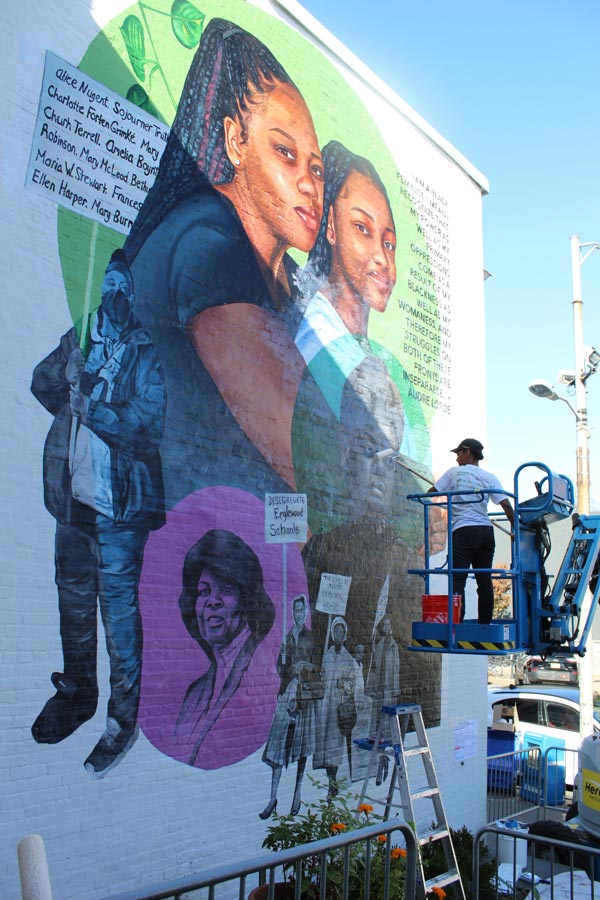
473,541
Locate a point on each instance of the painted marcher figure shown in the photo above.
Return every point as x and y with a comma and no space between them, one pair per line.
225,608
339,677
292,735
364,708
239,183
473,541
383,684
103,484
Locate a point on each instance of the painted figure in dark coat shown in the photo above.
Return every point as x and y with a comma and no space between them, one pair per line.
103,485
225,608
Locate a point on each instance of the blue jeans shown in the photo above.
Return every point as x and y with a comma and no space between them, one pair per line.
474,545
102,566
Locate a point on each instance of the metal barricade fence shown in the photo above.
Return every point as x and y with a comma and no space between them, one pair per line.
552,867
514,783
526,779
241,877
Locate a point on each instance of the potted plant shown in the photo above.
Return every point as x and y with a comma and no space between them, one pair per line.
324,819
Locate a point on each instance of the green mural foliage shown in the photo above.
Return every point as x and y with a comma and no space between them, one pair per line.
135,44
136,94
186,22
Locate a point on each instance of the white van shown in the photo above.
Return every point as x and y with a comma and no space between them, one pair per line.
551,714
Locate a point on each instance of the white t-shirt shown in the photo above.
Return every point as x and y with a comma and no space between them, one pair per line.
470,509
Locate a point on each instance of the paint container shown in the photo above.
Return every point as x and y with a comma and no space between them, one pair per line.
435,608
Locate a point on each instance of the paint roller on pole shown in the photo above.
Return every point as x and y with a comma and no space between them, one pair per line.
390,453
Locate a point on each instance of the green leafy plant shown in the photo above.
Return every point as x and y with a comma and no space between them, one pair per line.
187,23
324,819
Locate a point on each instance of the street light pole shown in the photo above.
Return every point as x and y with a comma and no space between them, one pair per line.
586,664
583,453
587,361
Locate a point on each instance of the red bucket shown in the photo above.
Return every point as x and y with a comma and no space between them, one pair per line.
435,608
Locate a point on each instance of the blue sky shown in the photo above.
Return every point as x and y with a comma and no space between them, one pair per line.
515,86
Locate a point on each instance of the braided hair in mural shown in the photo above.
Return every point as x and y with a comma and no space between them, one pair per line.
228,69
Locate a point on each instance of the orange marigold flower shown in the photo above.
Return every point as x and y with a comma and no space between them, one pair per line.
439,892
381,838
365,808
398,853
337,826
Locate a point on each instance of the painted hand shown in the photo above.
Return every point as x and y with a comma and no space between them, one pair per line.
79,404
75,366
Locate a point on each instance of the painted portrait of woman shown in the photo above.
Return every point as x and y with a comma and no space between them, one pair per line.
225,608
352,268
240,183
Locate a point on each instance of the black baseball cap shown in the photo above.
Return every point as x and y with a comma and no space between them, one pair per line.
476,447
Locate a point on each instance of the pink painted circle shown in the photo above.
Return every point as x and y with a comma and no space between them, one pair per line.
172,660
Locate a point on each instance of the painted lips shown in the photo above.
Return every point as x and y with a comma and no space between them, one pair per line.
381,281
310,216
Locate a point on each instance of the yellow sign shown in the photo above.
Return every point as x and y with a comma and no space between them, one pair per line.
590,782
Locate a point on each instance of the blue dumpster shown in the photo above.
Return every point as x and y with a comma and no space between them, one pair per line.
501,772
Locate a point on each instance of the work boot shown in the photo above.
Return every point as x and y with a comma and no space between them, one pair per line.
111,748
70,707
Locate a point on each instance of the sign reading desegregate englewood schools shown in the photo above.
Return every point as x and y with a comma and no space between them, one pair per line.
285,518
92,151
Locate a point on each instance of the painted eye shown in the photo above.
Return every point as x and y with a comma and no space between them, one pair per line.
286,152
360,226
318,171
389,246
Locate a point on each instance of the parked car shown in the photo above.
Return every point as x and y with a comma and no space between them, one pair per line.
520,668
545,716
553,669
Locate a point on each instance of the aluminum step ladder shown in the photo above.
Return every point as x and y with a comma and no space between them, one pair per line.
406,753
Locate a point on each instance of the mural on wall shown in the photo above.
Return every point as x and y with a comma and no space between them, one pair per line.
255,335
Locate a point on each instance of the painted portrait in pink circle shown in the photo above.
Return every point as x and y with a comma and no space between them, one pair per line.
211,597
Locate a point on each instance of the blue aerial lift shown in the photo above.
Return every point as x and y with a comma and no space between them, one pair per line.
546,618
